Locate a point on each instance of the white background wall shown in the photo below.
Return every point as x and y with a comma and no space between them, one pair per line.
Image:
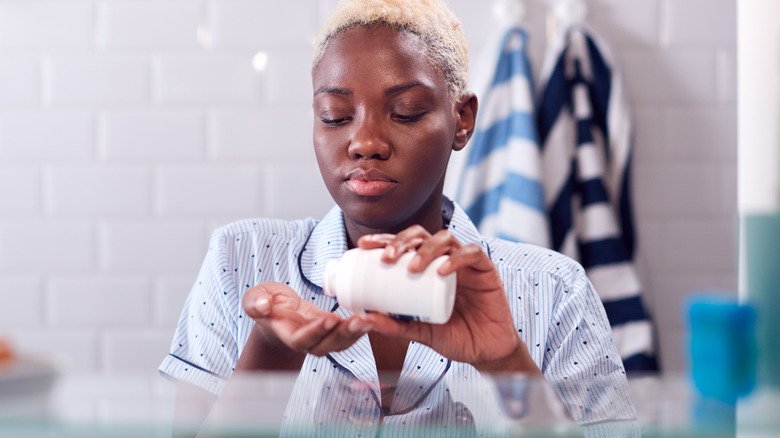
130,129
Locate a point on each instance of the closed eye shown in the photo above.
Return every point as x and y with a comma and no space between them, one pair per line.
402,118
335,122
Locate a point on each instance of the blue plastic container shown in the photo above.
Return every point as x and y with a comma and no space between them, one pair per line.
722,347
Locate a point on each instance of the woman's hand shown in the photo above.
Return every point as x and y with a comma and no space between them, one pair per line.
481,330
298,324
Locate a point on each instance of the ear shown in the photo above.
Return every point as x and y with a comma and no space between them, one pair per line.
466,113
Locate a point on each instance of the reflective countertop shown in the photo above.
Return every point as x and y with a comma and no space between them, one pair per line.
37,401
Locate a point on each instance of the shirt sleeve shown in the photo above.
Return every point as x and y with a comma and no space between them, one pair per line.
583,364
204,350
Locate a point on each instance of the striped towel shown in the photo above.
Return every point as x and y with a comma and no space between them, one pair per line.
499,185
585,132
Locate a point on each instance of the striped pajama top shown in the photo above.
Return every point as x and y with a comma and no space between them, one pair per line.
556,311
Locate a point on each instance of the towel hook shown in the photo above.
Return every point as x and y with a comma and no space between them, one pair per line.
568,12
509,11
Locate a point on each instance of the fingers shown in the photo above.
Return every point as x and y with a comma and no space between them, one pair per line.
427,246
343,336
372,241
404,241
308,335
470,256
284,322
259,301
327,334
411,330
441,243
298,324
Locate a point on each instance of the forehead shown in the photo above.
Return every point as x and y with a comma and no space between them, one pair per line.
376,55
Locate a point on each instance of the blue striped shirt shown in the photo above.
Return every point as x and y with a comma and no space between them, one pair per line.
555,308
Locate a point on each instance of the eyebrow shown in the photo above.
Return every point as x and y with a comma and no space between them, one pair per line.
334,90
395,89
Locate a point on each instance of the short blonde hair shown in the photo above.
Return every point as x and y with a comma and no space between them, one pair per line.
431,20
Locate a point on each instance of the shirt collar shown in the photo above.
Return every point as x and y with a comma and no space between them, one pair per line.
328,241
464,230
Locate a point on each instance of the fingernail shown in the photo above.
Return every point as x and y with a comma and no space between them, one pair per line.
444,268
261,304
390,251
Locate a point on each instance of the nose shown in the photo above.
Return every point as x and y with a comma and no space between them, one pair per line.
368,142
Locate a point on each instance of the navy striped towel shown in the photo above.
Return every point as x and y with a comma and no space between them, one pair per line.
585,132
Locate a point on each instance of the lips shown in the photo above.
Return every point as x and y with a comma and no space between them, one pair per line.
369,182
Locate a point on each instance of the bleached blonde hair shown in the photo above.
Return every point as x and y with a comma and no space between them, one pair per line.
431,20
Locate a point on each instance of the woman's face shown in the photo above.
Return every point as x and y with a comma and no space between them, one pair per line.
384,127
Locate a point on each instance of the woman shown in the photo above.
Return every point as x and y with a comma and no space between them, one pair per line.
390,106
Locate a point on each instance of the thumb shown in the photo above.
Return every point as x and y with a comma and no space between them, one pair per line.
409,330
259,301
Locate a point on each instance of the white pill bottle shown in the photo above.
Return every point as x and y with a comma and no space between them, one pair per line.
362,282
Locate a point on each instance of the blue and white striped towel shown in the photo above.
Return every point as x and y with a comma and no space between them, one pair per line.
585,132
499,184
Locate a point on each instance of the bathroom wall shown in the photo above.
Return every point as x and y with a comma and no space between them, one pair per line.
130,129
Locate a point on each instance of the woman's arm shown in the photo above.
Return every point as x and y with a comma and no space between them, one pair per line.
264,351
519,361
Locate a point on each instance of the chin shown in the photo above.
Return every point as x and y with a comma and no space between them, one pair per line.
374,213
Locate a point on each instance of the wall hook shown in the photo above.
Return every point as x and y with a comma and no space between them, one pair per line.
568,12
509,11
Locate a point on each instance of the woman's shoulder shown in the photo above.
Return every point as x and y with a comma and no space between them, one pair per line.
534,260
528,255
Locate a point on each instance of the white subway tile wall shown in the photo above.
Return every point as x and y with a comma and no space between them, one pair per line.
207,78
22,303
168,296
264,24
47,25
20,80
191,191
236,134
46,136
148,25
20,191
684,19
129,130
86,302
627,24
146,135
47,247
133,351
96,80
151,247
89,191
